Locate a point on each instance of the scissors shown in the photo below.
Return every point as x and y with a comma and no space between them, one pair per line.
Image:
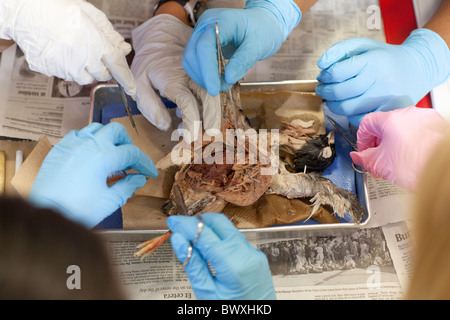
350,138
179,201
182,209
127,107
221,63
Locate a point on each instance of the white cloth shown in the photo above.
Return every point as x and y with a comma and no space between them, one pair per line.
69,39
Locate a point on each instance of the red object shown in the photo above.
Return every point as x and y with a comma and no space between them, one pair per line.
399,20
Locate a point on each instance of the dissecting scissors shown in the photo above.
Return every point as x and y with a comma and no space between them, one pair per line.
179,201
127,107
182,209
221,63
350,138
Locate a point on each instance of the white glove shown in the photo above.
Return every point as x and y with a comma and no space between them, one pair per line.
159,45
69,39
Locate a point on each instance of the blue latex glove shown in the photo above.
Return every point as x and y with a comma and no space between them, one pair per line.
242,272
250,34
72,178
362,75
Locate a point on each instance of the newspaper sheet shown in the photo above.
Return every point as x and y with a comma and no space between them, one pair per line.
369,263
326,23
388,203
34,105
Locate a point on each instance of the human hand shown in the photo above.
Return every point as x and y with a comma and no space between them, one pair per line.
242,272
252,34
72,178
362,75
396,145
159,44
69,39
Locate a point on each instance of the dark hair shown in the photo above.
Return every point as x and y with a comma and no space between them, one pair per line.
37,246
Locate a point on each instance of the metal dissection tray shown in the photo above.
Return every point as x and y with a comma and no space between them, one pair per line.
107,94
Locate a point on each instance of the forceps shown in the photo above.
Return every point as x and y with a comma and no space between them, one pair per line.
181,207
221,63
350,138
127,107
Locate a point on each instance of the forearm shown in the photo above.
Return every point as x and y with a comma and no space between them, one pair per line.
305,5
175,9
440,22
5,44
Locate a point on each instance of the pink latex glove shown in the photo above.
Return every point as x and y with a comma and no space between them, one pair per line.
396,145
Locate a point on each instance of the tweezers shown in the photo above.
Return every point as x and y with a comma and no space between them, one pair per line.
350,138
182,209
179,201
127,107
221,63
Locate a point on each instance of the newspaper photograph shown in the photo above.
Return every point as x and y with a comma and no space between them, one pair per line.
321,267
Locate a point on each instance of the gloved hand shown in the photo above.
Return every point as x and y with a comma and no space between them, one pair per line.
242,272
396,145
69,39
72,178
362,75
253,33
159,44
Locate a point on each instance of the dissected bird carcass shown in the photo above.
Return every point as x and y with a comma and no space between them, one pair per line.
293,171
207,186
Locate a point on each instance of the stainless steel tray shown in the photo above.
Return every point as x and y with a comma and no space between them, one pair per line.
105,94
